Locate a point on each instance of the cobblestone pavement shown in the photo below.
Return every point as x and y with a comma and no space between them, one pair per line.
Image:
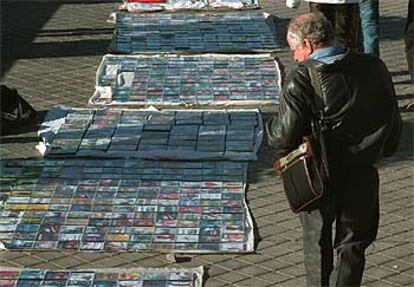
50,53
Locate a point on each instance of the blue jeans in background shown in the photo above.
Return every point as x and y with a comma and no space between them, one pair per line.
369,14
409,39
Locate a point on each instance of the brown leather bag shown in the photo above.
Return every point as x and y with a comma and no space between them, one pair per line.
304,172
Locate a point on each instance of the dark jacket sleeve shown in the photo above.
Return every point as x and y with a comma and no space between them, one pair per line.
393,139
395,133
286,129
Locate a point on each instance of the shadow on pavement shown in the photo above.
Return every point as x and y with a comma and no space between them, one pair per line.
74,32
405,96
265,154
85,2
21,23
19,139
406,146
399,73
205,275
62,49
256,233
391,28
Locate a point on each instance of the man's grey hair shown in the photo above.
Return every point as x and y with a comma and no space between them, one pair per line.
311,26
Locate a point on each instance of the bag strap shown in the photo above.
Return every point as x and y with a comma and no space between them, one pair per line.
316,84
318,124
317,106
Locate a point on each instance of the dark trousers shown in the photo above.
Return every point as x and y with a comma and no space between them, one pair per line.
345,21
354,209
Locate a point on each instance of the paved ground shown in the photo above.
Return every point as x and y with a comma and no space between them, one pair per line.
50,52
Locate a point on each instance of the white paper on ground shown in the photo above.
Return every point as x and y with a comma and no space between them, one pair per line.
104,92
125,79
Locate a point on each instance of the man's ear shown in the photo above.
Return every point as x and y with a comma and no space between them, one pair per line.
308,47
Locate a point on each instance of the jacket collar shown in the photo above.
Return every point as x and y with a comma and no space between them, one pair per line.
330,54
322,66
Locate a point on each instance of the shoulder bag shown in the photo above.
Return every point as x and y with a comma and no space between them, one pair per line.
304,172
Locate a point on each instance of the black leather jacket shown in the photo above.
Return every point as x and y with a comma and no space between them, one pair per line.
360,108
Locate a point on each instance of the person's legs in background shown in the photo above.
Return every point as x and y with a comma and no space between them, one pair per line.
347,26
345,21
369,14
409,39
328,10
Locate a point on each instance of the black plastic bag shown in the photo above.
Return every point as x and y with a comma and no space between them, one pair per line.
15,111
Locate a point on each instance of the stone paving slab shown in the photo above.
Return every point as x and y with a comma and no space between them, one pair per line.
52,58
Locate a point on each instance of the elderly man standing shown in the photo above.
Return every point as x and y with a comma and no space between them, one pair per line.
361,111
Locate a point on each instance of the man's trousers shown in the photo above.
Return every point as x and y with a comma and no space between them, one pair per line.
354,208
